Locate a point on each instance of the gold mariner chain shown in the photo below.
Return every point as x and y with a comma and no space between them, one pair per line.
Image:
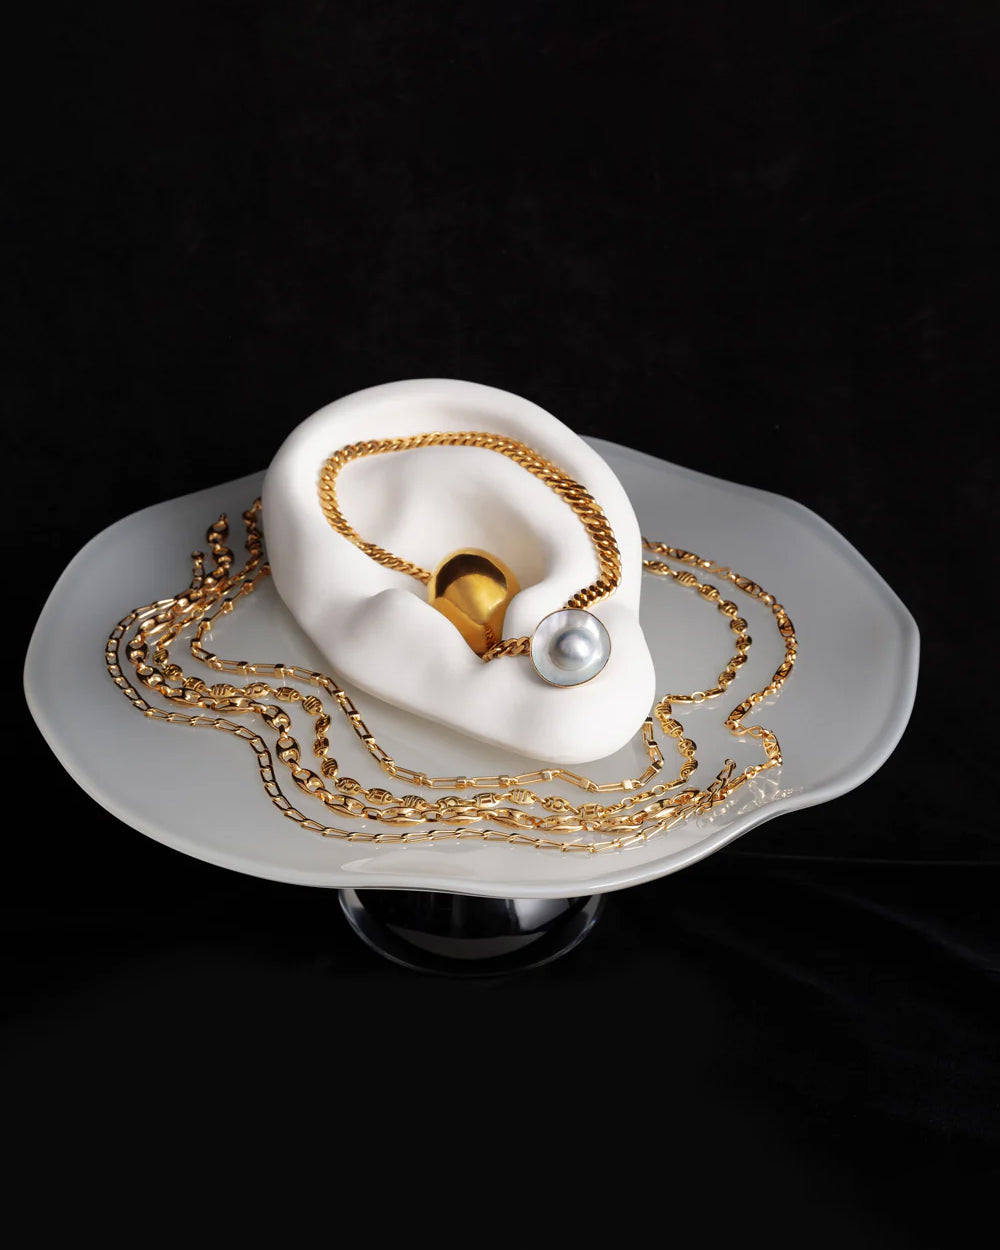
497,811
584,505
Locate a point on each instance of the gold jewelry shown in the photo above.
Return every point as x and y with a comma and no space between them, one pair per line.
496,812
472,588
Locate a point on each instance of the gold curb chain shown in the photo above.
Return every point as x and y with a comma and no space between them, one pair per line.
495,812
578,497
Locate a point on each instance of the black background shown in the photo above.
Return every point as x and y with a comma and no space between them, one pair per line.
757,241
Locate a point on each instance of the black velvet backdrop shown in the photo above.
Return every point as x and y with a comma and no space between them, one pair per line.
758,241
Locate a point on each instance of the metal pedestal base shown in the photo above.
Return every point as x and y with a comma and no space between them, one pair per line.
464,935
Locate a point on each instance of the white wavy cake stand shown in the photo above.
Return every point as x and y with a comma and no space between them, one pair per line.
838,718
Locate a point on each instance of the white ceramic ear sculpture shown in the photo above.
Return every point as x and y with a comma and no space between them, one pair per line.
375,625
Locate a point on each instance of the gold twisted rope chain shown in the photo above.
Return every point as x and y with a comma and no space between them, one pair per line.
494,814
576,496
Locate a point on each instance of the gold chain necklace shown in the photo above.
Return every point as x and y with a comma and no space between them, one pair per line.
497,812
472,587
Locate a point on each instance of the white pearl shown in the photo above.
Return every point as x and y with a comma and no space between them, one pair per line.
572,649
569,647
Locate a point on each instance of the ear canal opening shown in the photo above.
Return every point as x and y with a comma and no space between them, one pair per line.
472,588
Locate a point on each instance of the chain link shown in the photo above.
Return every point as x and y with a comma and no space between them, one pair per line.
579,499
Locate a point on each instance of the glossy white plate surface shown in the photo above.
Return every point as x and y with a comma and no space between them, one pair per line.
838,718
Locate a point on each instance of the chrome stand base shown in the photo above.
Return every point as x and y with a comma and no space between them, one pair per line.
462,935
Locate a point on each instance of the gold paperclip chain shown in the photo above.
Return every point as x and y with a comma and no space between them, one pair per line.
496,812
